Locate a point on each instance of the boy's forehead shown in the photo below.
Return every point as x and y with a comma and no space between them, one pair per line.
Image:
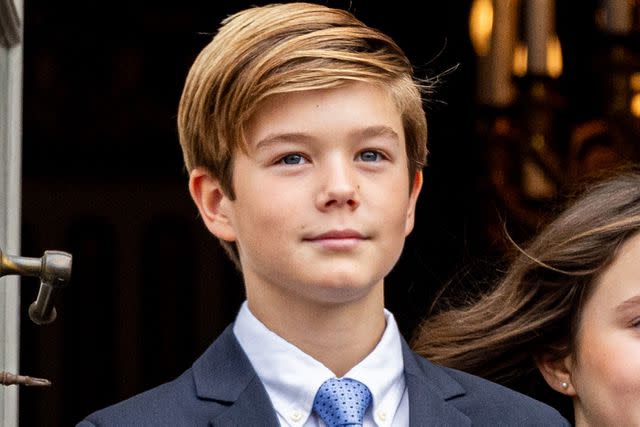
356,111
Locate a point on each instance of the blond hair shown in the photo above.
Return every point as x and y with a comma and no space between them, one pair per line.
282,48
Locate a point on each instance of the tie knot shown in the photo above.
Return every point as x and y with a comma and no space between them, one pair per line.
342,402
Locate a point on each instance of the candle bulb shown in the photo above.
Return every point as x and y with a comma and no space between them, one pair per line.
540,28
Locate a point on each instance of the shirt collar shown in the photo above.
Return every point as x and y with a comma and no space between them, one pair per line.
383,370
292,377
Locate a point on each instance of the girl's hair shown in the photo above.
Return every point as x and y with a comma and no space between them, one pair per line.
535,309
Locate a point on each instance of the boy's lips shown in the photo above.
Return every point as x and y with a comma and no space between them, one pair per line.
337,239
337,234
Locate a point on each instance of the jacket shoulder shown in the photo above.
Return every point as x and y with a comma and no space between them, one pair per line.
221,379
172,403
487,403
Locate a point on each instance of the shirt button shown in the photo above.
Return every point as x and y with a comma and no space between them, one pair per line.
295,416
382,415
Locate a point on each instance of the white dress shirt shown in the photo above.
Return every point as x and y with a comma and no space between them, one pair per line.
292,377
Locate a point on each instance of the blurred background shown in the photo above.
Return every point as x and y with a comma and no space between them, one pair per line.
534,97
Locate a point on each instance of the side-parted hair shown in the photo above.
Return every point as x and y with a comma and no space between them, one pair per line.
535,309
283,48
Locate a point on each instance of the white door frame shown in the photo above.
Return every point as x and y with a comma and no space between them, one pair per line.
10,189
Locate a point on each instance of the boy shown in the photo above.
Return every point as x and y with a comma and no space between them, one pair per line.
304,134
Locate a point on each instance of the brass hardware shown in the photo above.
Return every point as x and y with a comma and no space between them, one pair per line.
7,378
54,271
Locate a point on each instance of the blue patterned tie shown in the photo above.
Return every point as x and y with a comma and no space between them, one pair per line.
342,402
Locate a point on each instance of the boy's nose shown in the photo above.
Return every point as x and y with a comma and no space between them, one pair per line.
339,189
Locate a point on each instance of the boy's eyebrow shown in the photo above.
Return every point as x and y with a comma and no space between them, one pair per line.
376,131
283,137
358,135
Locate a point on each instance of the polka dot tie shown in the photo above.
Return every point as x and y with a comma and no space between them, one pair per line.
342,402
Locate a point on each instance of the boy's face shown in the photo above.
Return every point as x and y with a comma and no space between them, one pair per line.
323,202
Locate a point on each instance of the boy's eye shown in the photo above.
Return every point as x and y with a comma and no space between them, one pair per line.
370,156
292,159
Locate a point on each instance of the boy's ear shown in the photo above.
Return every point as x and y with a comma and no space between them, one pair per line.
214,206
413,199
557,373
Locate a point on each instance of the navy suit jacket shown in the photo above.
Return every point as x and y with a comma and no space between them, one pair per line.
223,389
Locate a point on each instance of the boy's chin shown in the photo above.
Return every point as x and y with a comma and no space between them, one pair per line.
341,293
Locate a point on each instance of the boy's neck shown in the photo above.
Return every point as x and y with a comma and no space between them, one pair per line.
337,335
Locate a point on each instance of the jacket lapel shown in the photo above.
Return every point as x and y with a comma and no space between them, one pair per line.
252,408
224,374
430,389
